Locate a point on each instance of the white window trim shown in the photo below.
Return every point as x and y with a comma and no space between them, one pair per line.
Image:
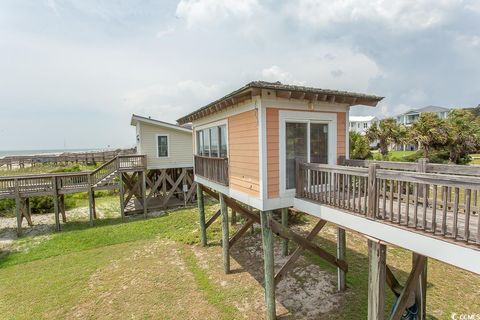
208,126
168,144
306,117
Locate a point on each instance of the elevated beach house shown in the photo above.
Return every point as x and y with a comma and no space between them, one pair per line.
269,146
168,150
246,142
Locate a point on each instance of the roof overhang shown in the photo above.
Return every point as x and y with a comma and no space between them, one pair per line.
252,89
136,119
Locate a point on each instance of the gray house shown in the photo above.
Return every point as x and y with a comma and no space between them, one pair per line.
410,116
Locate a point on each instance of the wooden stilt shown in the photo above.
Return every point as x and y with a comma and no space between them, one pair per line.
28,212
421,289
234,217
144,193
225,235
376,280
341,254
121,195
62,208
285,224
201,215
55,204
90,200
268,264
18,211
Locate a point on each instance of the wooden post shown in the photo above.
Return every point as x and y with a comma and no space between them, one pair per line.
421,288
201,215
234,218
62,208
17,208
55,203
341,253
121,195
376,280
90,200
372,191
144,193
268,264
285,224
225,234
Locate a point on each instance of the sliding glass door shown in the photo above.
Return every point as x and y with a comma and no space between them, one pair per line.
305,141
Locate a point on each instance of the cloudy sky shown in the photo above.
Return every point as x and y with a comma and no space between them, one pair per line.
73,71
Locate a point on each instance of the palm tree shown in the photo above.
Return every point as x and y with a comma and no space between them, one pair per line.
429,131
386,132
463,129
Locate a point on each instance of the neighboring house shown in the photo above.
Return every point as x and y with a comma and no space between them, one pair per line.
360,124
166,145
169,158
247,142
411,116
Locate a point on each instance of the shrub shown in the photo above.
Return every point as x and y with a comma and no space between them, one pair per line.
359,147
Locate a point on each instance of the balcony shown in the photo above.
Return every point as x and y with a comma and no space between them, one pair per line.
212,168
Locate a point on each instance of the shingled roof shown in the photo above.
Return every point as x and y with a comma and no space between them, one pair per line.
282,90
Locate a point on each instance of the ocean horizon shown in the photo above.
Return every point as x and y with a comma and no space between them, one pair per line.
5,153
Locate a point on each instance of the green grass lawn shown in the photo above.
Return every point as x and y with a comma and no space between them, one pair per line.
153,268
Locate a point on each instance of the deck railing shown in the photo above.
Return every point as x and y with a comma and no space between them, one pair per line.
47,184
212,168
443,205
131,162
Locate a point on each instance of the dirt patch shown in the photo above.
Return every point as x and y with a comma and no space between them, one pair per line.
308,292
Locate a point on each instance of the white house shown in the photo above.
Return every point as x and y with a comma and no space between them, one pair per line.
360,124
166,145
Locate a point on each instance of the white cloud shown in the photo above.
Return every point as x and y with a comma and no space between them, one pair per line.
170,101
406,15
214,11
52,5
275,73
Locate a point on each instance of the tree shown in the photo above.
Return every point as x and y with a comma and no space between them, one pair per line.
386,132
359,146
463,138
429,132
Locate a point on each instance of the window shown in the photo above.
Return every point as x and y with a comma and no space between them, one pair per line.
212,142
365,125
162,145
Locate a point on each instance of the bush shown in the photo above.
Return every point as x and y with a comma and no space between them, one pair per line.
359,146
435,156
7,208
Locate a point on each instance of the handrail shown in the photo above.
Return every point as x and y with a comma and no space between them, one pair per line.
441,205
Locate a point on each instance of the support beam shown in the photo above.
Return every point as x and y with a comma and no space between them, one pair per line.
62,207
225,235
213,218
393,283
201,215
377,254
341,255
421,289
268,264
285,225
121,193
298,252
240,233
234,217
28,212
55,204
90,200
286,233
144,193
18,211
409,289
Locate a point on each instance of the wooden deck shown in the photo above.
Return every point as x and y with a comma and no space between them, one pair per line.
440,205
